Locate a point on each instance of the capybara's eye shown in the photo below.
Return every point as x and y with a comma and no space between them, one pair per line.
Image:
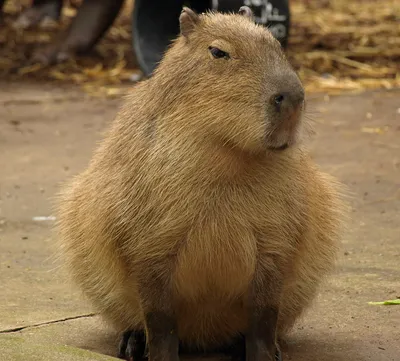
218,53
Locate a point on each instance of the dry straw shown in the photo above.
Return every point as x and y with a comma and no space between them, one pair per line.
336,46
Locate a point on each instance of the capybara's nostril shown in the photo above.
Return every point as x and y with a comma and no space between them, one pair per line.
278,99
288,100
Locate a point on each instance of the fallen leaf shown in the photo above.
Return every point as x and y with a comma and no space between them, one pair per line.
372,130
389,302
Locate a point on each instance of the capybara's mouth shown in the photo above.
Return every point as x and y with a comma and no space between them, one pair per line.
280,148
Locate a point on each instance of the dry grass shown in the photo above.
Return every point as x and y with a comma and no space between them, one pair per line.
347,45
336,45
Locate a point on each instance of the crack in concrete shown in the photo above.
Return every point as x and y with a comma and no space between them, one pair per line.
16,329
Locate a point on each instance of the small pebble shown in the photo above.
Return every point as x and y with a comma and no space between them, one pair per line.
43,218
135,77
15,122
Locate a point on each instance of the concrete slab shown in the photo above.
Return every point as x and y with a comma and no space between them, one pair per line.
88,333
33,161
15,348
47,134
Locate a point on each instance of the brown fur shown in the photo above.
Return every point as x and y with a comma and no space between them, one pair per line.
183,190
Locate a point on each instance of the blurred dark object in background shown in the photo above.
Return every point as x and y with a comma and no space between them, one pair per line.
92,20
155,23
336,46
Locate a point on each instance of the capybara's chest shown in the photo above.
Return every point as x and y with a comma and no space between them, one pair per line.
218,257
219,253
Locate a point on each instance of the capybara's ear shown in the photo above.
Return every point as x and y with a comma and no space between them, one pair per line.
188,20
246,11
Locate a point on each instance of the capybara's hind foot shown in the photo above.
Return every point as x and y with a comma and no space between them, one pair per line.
132,346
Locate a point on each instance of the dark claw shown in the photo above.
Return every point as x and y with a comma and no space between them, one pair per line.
123,344
278,355
132,346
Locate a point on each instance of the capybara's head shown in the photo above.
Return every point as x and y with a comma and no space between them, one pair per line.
227,78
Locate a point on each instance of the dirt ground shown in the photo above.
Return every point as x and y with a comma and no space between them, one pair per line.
47,134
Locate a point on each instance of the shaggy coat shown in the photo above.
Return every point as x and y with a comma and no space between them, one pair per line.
186,193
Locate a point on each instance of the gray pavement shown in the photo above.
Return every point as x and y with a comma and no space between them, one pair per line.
48,134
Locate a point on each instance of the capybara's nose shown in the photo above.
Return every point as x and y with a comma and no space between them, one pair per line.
290,95
289,99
